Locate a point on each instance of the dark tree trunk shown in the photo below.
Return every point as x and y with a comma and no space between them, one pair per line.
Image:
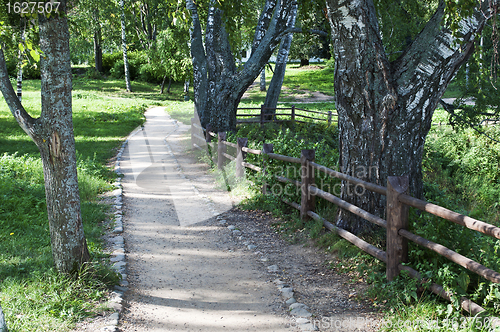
274,91
163,84
385,109
304,62
218,85
53,134
97,43
98,52
263,80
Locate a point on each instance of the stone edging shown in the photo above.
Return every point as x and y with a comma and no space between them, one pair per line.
118,254
298,311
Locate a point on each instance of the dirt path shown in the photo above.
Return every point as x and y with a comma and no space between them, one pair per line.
188,271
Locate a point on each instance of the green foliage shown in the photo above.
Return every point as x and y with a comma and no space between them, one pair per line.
172,56
465,165
400,22
136,59
477,81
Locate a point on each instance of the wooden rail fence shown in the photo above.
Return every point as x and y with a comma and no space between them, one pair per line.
398,202
292,112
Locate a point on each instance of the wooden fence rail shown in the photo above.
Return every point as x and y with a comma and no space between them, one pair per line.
396,225
262,117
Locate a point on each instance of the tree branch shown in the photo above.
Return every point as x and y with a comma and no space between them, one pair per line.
263,23
264,49
200,70
435,54
451,110
310,31
25,120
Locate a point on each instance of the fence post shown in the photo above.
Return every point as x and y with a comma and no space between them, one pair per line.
221,149
293,114
240,157
266,148
261,115
307,176
397,218
329,118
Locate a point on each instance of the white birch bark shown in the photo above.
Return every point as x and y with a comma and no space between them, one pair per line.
124,47
385,109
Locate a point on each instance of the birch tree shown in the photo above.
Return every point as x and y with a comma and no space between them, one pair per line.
274,91
52,132
218,83
124,47
385,107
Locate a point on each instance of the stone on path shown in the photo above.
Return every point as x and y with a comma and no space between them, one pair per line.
273,268
299,310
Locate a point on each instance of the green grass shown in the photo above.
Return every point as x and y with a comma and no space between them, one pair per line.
298,83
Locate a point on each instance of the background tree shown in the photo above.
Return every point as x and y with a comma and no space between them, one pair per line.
124,46
218,83
274,91
170,58
385,107
306,32
311,16
87,20
52,132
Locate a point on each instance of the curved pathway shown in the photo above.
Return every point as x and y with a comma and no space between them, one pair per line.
182,276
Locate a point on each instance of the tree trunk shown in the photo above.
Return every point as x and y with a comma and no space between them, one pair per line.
124,47
385,116
53,134
169,84
97,44
162,87
263,80
218,85
273,94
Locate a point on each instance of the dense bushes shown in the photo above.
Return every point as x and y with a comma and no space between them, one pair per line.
139,67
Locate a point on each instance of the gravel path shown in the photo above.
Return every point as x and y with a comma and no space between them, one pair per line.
196,263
